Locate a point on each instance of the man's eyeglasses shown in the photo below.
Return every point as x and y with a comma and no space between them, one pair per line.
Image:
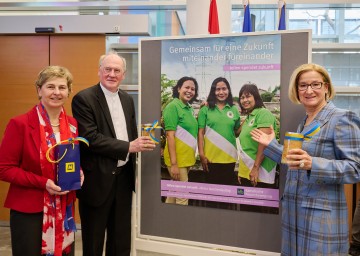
107,70
314,86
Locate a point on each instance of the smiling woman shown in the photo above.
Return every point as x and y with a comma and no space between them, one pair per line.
181,132
219,124
254,168
33,195
313,202
54,92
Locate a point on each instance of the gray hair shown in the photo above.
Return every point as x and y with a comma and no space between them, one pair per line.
112,52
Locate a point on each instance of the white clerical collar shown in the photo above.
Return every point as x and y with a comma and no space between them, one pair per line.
107,92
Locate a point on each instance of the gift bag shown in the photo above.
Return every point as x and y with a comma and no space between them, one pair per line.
68,168
67,159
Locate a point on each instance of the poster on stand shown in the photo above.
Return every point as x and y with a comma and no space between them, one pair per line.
225,179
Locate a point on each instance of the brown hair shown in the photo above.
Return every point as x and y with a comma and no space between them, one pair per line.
54,72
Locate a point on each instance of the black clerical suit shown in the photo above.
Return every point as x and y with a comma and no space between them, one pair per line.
106,195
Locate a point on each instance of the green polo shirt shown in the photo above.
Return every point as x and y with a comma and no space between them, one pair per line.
179,117
259,118
219,139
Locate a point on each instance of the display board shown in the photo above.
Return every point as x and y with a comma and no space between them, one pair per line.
189,224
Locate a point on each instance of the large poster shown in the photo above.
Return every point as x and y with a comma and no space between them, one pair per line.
241,62
192,228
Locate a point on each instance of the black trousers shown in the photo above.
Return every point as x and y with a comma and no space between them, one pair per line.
26,233
222,174
112,217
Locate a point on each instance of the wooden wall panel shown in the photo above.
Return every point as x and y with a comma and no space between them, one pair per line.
80,54
21,58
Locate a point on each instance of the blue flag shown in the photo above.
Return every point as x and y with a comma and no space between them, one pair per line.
247,20
282,22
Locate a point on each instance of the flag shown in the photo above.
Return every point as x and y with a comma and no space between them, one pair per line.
213,27
282,20
247,17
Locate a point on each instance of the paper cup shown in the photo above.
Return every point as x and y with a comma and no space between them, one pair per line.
292,140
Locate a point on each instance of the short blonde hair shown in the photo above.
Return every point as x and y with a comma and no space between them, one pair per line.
293,91
54,72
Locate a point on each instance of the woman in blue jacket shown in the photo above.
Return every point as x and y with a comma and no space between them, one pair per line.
314,210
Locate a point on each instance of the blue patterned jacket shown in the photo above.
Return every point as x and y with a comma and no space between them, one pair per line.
314,210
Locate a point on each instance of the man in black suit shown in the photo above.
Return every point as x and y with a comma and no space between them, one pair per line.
106,118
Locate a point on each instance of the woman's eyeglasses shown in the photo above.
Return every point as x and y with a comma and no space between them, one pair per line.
314,86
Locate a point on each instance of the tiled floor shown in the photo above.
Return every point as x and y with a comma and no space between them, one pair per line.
5,243
5,247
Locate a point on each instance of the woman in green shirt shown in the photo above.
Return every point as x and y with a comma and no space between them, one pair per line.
219,124
254,167
181,132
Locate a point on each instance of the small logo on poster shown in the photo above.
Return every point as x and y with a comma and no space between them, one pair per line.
240,191
70,167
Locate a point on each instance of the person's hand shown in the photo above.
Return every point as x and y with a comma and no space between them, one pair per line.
53,189
204,163
143,143
82,177
254,175
298,159
203,104
239,179
261,137
174,172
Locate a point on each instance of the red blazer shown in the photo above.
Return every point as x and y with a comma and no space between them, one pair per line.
20,163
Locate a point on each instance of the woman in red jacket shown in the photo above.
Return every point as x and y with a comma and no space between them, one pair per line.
38,207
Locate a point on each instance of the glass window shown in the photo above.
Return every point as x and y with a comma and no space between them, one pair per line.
343,66
130,53
135,96
261,19
332,25
327,26
303,24
132,64
348,101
